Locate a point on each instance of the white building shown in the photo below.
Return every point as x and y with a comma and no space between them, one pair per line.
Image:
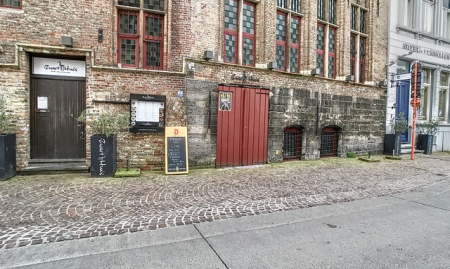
420,31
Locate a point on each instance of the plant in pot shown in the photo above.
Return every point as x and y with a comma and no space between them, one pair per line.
425,137
392,141
104,140
7,143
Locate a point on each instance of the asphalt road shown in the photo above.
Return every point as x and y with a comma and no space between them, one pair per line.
406,230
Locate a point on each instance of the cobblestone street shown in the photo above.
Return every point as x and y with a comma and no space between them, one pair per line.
47,208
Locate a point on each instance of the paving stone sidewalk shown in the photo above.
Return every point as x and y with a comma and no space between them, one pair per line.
48,208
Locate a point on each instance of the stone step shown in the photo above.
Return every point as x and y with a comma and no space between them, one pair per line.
48,166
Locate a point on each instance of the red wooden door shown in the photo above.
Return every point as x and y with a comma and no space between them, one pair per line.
242,126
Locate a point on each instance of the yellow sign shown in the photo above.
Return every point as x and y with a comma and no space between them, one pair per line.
176,153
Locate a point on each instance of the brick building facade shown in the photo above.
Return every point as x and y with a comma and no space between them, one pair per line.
318,62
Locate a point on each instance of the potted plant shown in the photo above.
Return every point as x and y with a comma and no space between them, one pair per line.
425,137
104,140
392,141
7,143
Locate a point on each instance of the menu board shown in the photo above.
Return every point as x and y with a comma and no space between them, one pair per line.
147,113
176,154
176,157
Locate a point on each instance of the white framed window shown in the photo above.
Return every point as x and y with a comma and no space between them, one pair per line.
427,17
443,102
445,25
425,109
406,13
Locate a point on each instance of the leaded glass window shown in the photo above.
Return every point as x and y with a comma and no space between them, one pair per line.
150,36
154,4
331,52
296,6
320,48
128,22
281,27
230,48
281,57
129,3
362,21
231,33
231,14
248,29
354,13
282,3
248,19
352,55
10,3
248,51
362,61
281,41
128,52
332,11
320,37
321,9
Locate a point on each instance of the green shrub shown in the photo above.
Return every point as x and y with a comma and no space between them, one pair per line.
400,125
429,127
351,155
5,118
106,123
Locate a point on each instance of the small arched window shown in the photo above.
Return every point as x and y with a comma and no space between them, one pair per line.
292,146
329,142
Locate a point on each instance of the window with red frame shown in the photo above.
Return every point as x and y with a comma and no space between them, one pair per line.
362,59
326,38
353,56
320,55
358,39
294,45
248,32
232,36
153,41
11,3
287,54
130,36
231,31
281,41
331,52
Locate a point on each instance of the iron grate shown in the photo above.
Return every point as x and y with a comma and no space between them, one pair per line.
292,148
329,142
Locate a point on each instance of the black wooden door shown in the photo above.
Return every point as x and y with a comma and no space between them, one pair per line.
55,132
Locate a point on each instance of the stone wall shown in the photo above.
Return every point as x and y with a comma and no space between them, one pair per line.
304,101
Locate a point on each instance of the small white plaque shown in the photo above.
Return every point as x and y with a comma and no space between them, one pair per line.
42,102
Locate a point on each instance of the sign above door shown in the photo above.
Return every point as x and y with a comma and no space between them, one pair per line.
58,67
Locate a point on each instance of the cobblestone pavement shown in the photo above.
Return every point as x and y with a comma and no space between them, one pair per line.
47,208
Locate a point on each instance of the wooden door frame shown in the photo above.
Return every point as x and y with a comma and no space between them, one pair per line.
50,77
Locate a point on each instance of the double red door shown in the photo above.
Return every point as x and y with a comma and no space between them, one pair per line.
242,126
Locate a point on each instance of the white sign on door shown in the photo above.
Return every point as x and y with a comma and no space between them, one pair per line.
42,102
59,67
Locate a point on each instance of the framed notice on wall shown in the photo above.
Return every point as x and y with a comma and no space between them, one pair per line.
176,153
147,113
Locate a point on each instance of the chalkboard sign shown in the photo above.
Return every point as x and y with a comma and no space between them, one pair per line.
176,150
176,154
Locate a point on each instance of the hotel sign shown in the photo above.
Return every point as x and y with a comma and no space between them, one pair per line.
426,51
58,67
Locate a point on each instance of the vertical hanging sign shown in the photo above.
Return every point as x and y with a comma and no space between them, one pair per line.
176,153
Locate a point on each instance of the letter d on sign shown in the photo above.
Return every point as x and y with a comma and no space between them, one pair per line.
175,131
